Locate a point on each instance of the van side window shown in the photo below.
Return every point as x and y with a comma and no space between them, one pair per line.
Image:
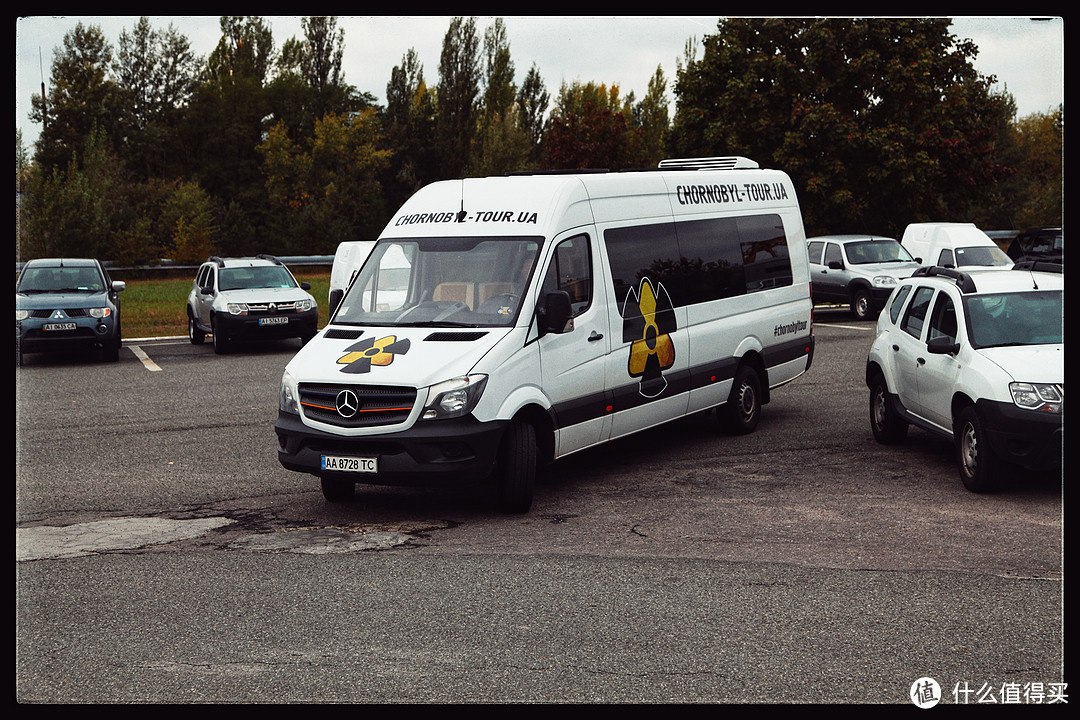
765,252
945,259
915,316
571,270
643,251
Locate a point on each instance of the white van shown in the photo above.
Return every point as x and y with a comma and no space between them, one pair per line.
542,314
348,259
954,245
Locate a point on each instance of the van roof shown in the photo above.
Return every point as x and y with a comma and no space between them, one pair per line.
547,203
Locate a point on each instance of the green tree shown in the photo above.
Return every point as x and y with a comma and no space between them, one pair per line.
880,122
189,216
1038,200
532,105
326,190
409,124
156,74
651,115
82,98
457,92
502,142
591,127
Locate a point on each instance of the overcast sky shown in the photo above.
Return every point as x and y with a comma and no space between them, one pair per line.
1026,55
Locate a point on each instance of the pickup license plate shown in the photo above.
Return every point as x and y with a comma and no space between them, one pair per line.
54,327
275,320
337,463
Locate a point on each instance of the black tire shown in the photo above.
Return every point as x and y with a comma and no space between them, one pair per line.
888,427
111,351
195,335
336,491
221,345
742,412
860,304
981,470
517,468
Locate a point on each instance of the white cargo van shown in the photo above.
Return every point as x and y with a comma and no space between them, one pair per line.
953,245
503,322
348,259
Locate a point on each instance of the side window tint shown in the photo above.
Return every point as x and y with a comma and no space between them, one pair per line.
814,251
915,316
943,319
945,259
571,270
898,302
832,254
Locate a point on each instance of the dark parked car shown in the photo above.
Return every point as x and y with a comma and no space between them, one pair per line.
1043,244
67,304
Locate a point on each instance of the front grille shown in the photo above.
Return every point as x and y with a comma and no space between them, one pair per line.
265,307
46,314
376,405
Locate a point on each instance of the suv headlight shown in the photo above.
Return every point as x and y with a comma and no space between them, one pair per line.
288,395
237,309
304,305
22,314
1040,397
99,312
454,398
884,281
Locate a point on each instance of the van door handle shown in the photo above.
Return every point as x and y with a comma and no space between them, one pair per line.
595,336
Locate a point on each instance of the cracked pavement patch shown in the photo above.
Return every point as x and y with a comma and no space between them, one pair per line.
321,540
123,533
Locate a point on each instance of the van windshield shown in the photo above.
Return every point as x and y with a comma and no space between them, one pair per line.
982,256
441,282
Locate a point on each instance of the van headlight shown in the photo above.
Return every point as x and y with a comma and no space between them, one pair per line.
1040,397
454,398
288,396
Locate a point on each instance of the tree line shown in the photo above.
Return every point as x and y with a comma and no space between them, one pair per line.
147,151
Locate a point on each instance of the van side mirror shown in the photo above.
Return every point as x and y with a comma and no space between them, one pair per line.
555,314
335,299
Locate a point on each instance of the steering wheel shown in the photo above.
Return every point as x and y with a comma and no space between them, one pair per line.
495,303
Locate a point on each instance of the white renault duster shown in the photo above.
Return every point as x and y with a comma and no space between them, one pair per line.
979,358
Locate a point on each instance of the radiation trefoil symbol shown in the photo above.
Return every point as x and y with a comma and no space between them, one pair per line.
360,357
648,320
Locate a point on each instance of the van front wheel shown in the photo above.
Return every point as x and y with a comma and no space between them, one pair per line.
517,468
741,413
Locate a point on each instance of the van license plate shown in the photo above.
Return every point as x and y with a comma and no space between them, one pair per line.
53,327
338,463
276,320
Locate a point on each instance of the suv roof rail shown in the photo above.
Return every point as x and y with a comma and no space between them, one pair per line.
271,258
730,162
962,279
217,261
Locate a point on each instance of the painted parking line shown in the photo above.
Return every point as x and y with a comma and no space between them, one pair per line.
845,327
144,358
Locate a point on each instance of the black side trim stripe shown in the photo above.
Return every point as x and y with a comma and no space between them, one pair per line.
629,396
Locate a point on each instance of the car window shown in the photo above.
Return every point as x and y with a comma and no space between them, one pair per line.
943,318
898,302
945,259
832,254
814,251
571,270
915,316
270,276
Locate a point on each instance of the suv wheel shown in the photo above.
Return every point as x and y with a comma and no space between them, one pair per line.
888,427
221,345
195,335
980,468
860,304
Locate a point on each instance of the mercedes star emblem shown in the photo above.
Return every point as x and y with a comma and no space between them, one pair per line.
347,403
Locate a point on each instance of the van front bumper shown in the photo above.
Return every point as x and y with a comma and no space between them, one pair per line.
429,453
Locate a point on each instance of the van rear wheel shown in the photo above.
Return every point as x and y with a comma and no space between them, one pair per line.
742,412
517,468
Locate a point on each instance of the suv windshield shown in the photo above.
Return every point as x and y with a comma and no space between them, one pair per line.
441,282
877,251
1023,318
58,279
242,278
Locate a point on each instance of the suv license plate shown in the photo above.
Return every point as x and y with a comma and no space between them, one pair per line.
338,463
276,320
53,327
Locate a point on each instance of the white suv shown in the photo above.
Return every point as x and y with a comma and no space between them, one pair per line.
977,357
236,299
